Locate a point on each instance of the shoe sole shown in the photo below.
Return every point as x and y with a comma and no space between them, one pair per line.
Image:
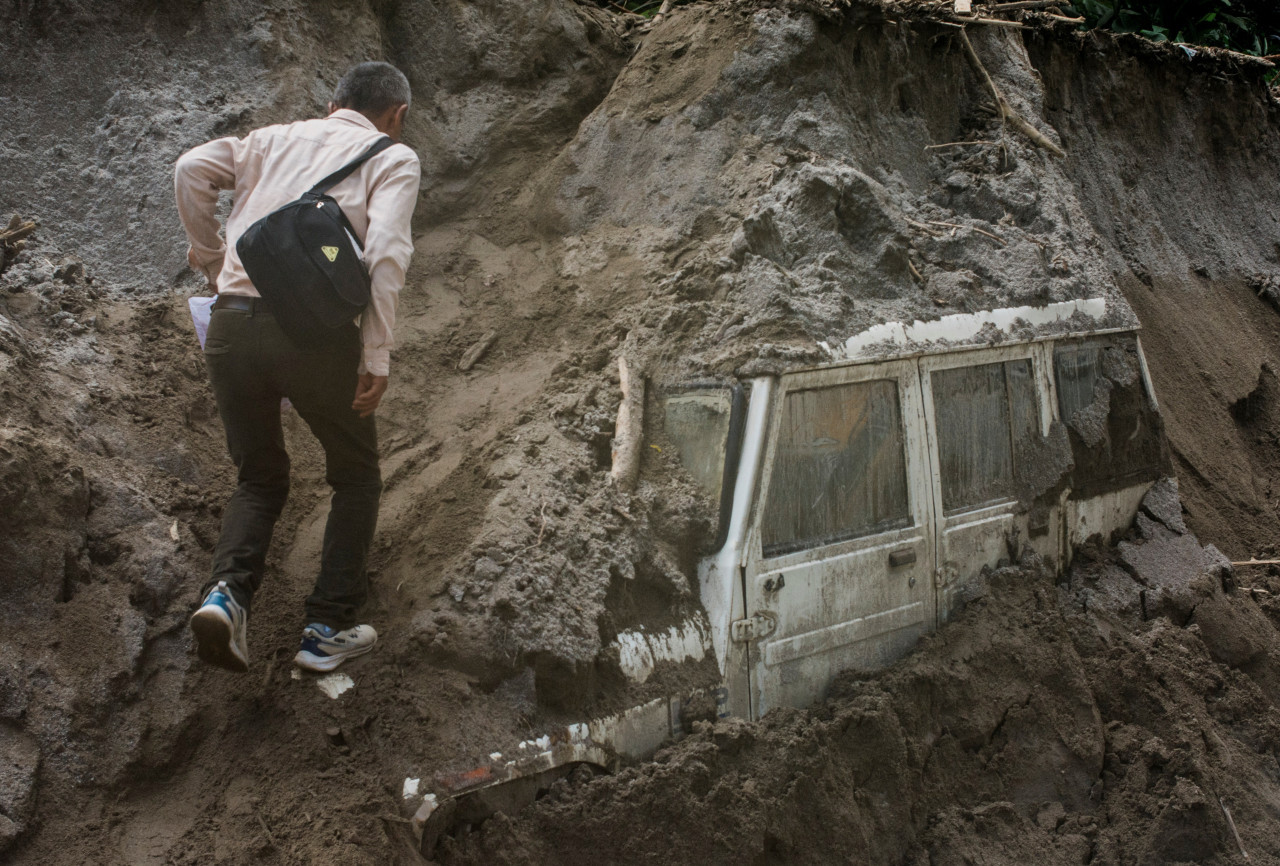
321,666
213,641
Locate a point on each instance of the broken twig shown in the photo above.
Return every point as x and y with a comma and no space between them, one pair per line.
1003,108
543,528
477,350
267,830
630,428
998,22
995,238
1257,562
956,144
1234,832
1022,4
13,239
927,223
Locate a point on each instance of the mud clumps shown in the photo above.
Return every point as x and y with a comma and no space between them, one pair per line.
1035,728
718,196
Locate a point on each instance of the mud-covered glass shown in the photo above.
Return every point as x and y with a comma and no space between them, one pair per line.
1075,367
1115,430
697,424
839,469
984,416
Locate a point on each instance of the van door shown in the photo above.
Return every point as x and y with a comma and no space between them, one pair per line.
983,410
840,562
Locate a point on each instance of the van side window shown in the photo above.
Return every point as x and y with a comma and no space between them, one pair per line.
840,470
985,417
1114,429
697,423
704,423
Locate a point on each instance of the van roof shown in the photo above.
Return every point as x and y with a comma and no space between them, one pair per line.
982,329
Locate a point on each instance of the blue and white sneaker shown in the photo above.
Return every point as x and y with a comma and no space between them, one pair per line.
220,626
324,648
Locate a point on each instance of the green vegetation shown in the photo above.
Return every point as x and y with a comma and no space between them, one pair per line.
1249,27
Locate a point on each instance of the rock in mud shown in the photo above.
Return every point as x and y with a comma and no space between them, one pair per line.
19,763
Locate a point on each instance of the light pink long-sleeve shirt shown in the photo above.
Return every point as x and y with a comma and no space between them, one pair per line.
271,167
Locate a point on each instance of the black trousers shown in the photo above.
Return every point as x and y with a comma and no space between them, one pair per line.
252,364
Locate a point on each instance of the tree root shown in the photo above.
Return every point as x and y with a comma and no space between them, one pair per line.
13,240
1005,111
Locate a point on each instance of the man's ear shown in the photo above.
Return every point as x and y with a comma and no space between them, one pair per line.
332,108
400,113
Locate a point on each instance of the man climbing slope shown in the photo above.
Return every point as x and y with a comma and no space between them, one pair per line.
335,387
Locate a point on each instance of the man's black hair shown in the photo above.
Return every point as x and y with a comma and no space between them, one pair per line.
371,88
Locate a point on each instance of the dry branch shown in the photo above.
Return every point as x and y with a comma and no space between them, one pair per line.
630,428
998,22
13,238
1234,832
477,350
956,144
1022,4
925,225
995,238
1005,110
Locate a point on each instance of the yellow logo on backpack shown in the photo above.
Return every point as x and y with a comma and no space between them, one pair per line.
330,253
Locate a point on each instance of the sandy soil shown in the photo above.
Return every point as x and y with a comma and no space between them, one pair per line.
713,197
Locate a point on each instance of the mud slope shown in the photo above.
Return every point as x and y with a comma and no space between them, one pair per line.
1176,160
716,197
1048,725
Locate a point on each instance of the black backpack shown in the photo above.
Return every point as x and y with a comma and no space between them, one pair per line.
302,259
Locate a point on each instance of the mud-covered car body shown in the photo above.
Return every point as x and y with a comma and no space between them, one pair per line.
861,502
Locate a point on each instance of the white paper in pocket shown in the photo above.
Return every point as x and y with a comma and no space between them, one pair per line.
201,311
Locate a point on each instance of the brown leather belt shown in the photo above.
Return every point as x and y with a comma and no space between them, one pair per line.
243,303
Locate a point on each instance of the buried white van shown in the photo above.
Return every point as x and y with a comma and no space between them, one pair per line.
860,502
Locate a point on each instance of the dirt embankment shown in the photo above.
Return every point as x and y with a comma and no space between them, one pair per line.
1118,717
714,198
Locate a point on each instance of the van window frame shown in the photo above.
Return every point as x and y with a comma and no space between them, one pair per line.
732,449
904,371
1085,488
1039,353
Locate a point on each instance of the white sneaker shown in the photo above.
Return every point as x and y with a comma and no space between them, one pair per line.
324,648
220,627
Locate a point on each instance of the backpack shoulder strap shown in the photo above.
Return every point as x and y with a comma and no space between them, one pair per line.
343,173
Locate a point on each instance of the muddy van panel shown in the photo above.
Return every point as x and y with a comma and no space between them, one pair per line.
839,559
860,499
985,413
704,424
1104,398
720,575
887,488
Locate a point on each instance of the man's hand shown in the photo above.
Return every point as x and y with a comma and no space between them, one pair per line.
369,391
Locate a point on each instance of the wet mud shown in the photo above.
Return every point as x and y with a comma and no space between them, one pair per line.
714,198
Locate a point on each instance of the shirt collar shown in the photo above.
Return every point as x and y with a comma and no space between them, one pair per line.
353,117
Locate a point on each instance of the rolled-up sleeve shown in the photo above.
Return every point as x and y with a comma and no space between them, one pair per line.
198,176
388,247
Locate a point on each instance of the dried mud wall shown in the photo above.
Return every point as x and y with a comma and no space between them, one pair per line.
713,198
1177,165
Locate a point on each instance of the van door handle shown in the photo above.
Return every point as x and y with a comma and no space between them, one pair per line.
905,556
